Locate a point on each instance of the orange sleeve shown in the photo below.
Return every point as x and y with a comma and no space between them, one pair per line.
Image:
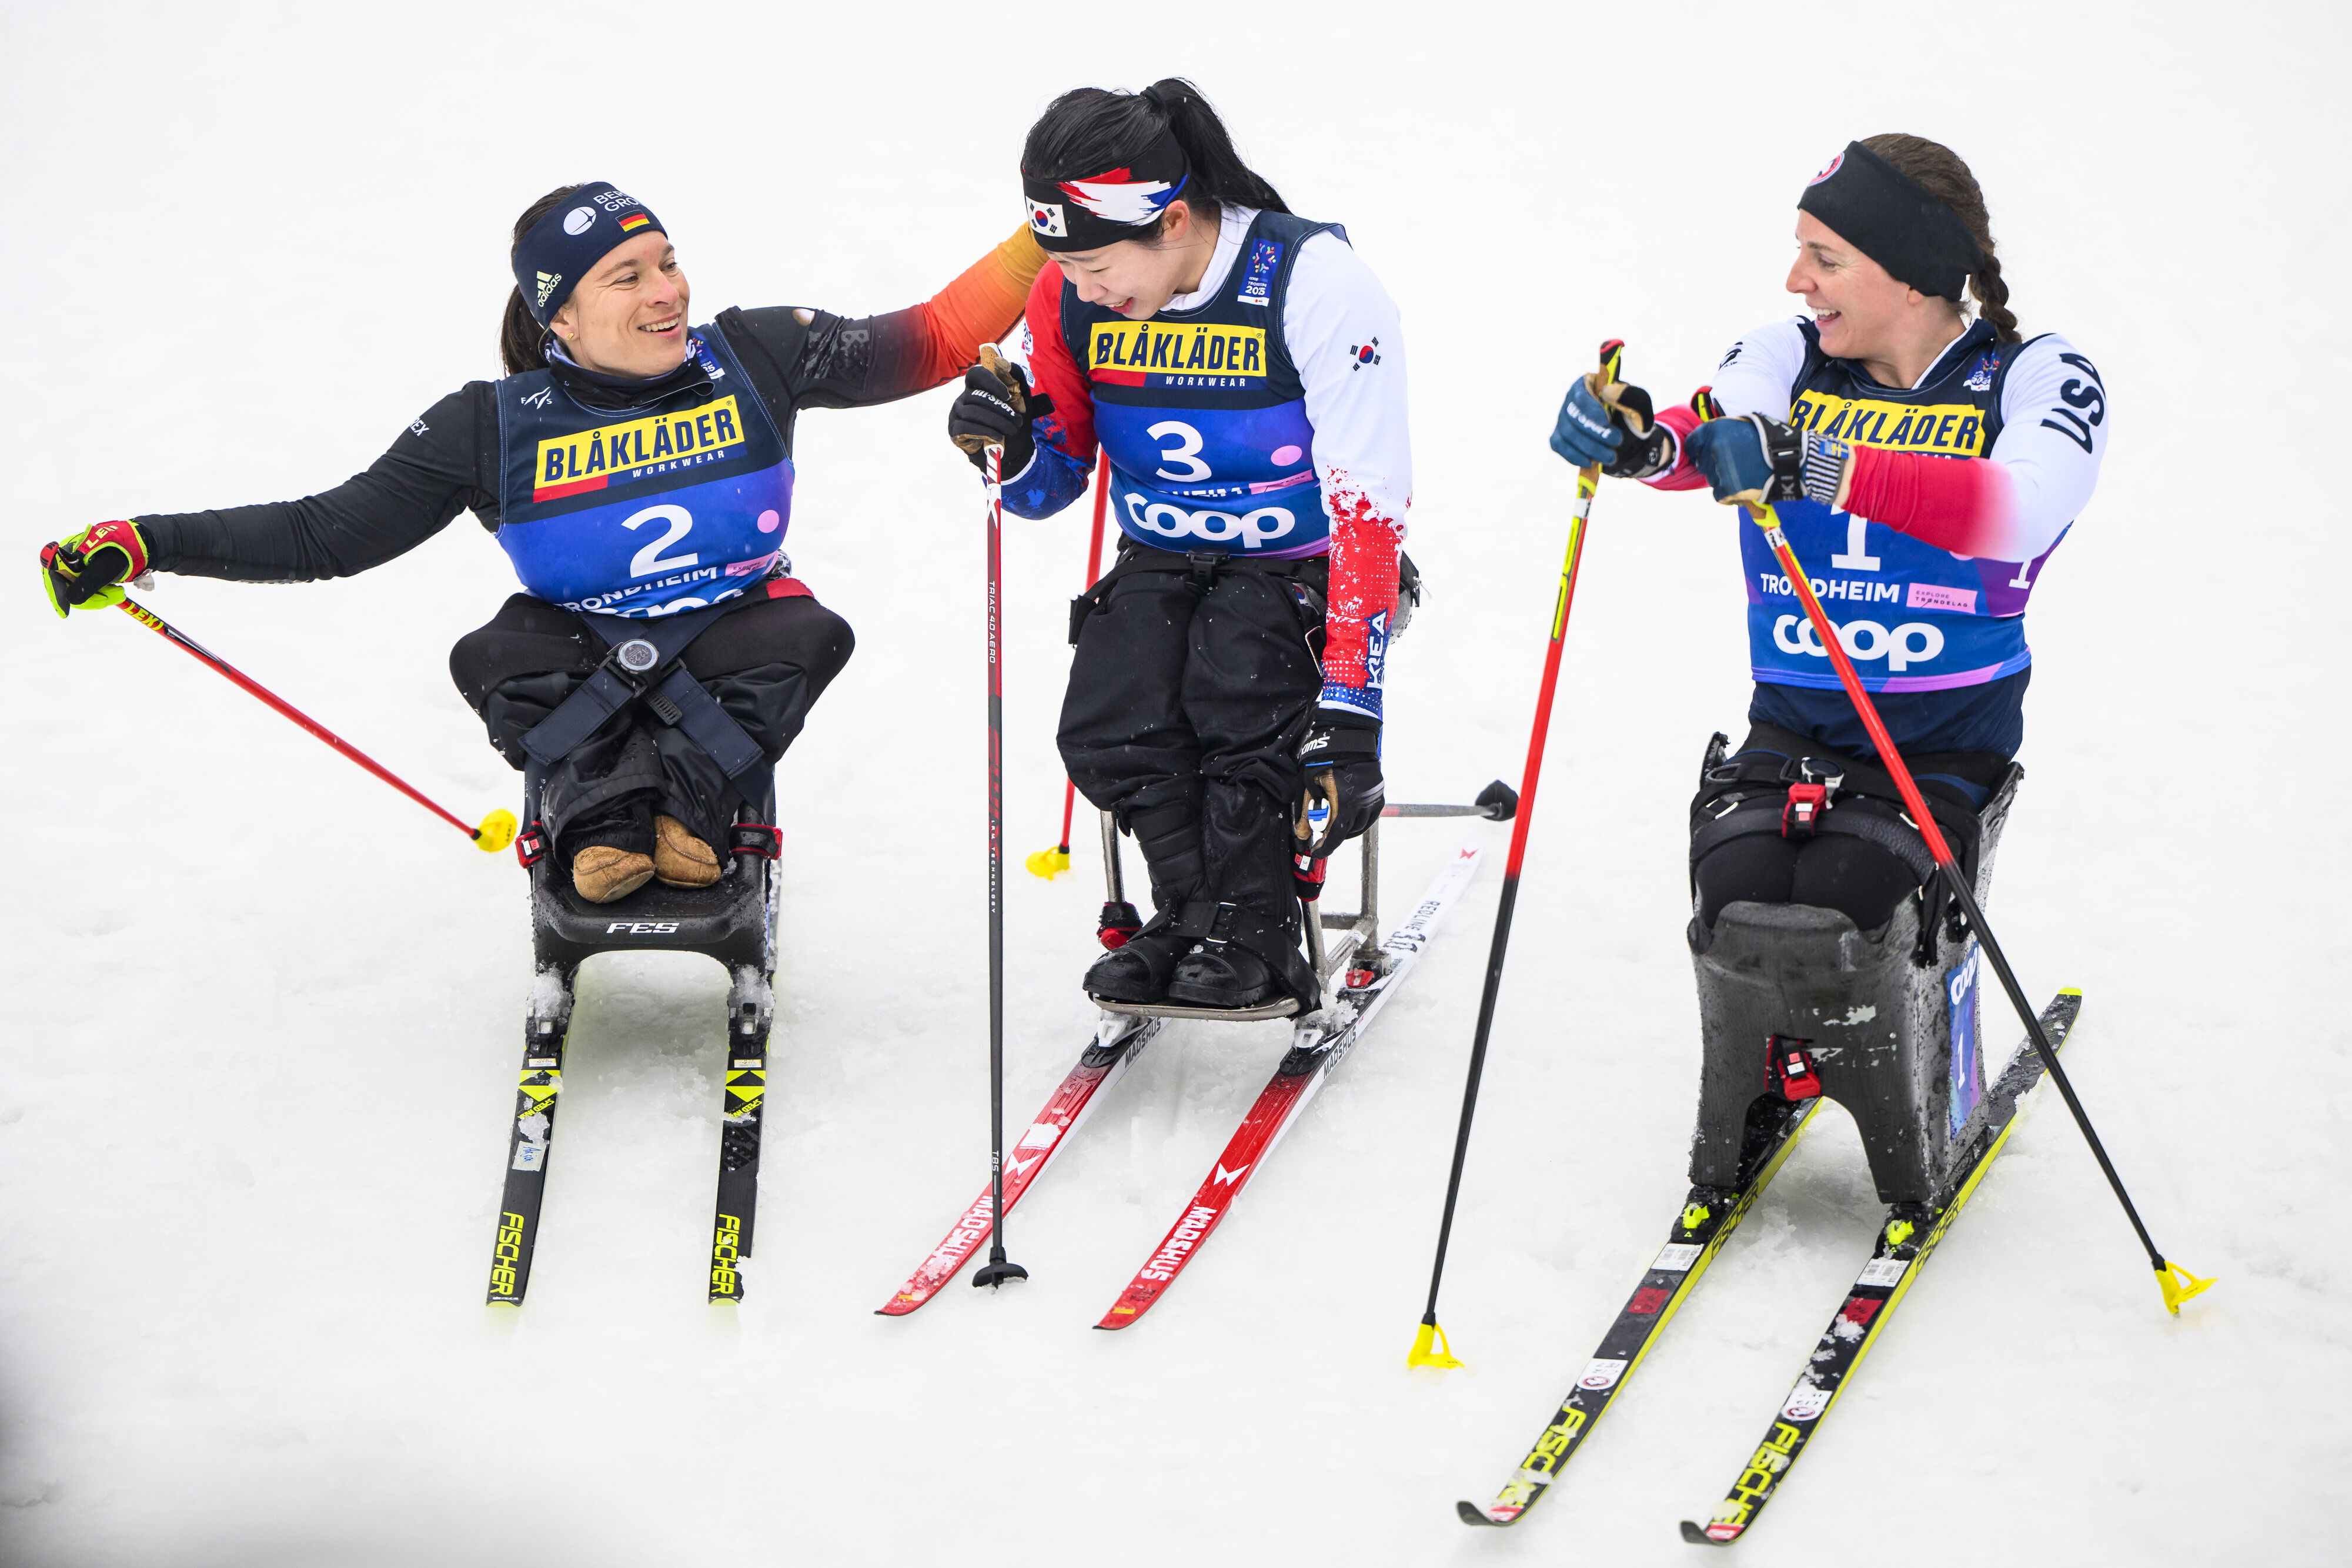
980,307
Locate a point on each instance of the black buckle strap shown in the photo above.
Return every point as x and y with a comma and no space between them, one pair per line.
764,839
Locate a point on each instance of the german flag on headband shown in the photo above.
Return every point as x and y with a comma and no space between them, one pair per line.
573,236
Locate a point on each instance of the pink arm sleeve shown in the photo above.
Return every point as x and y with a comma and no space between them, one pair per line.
1963,505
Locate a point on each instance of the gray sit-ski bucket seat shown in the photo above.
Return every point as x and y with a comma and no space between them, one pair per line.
1796,1001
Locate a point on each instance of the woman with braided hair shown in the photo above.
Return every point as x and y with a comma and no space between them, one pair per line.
1925,462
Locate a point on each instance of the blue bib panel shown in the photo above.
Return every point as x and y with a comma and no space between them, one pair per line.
647,511
1913,617
1202,414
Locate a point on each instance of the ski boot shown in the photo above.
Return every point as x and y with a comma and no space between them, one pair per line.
1138,972
1245,959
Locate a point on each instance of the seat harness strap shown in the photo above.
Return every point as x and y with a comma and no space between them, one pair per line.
643,664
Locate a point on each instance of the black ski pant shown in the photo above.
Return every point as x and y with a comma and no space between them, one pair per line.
766,662
1862,879
1187,701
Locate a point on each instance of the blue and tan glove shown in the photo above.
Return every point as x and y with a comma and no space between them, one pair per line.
1753,461
1611,424
88,571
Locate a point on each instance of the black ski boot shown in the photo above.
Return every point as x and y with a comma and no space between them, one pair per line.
1138,972
1247,959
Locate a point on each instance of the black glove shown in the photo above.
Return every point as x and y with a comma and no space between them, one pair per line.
1611,424
994,409
1344,792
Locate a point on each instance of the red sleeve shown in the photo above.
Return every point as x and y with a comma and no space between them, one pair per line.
1052,371
1682,419
979,306
1958,504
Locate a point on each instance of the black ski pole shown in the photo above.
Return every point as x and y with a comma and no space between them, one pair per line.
996,1271
1430,1347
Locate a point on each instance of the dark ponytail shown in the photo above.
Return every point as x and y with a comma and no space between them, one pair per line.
1939,170
522,341
1091,129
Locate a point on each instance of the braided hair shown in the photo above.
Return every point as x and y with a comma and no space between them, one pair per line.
1939,170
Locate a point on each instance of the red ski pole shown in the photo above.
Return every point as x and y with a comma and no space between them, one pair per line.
2177,1283
1588,480
495,832
1050,864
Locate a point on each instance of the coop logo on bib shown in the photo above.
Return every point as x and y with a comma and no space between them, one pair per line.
1248,530
1912,642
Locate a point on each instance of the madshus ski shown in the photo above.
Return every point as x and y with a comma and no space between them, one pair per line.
1119,1040
1318,1043
1905,1242
1698,1233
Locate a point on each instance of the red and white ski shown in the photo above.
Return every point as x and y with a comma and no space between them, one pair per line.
1119,1040
1317,1044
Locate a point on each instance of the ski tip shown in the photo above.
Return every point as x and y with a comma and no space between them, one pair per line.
1472,1514
2075,992
1120,1317
900,1305
1704,1534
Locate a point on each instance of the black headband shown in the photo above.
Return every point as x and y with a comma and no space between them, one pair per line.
562,246
1891,218
1103,209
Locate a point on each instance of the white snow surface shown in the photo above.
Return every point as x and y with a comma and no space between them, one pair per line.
261,1020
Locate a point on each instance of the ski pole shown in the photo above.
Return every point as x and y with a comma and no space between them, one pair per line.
2177,1283
996,1271
1496,802
495,831
1588,480
1050,864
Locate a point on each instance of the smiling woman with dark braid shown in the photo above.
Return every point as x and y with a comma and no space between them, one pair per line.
1923,464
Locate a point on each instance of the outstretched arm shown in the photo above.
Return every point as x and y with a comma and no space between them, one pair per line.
408,495
838,362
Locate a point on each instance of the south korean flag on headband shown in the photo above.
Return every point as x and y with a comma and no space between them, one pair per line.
1088,212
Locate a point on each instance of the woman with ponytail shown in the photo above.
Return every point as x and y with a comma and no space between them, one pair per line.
1243,369
1924,463
631,465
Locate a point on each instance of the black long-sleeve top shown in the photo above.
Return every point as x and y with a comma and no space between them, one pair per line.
448,461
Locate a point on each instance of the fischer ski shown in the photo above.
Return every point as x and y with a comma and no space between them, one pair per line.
544,1032
1905,1242
1318,1042
750,1010
1119,1040
1706,1223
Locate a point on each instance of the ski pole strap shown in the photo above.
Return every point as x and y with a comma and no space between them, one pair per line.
642,662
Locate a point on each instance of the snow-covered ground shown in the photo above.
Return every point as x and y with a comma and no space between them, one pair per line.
260,1017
